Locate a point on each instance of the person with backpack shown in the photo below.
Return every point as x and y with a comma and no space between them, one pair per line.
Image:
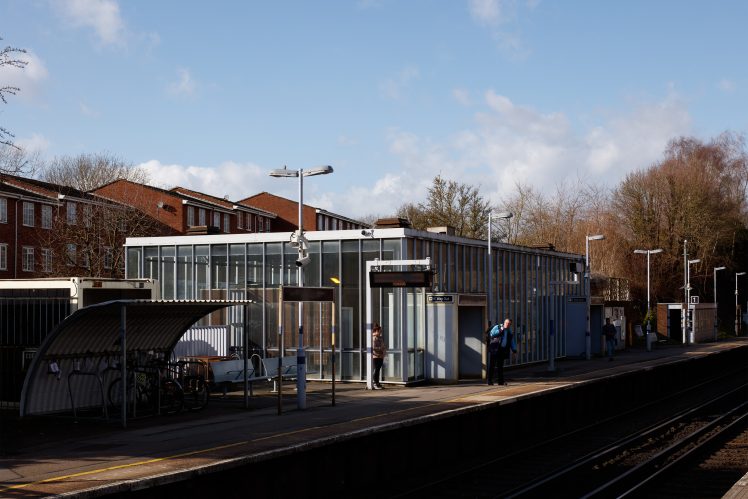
501,343
609,331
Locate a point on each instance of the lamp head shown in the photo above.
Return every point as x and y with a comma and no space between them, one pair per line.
739,273
597,237
318,170
697,260
503,214
283,172
719,268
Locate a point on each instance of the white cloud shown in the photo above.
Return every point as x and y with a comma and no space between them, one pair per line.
37,143
394,88
486,11
237,180
462,96
511,143
103,16
28,79
86,110
185,85
727,86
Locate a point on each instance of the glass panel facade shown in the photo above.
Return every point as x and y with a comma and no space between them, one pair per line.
254,269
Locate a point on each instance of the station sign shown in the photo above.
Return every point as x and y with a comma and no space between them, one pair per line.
297,293
441,298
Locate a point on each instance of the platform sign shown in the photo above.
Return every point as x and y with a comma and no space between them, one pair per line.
407,279
297,293
441,298
695,300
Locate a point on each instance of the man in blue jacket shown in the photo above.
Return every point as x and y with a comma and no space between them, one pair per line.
500,343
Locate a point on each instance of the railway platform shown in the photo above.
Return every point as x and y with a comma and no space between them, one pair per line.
315,448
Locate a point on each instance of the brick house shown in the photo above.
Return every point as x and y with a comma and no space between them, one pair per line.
38,221
185,211
287,211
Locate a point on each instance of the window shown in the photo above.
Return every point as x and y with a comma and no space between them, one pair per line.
226,222
28,214
108,258
72,212
239,219
267,225
3,257
87,215
71,256
46,260
4,210
190,216
46,216
249,222
260,225
201,215
216,219
85,258
28,259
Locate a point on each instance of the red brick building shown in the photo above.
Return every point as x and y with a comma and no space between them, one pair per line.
33,216
288,214
189,212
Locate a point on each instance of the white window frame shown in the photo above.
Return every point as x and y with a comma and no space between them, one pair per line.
47,215
216,219
3,256
71,255
239,220
108,257
226,223
71,212
201,217
27,259
267,225
261,225
46,260
28,214
190,216
3,210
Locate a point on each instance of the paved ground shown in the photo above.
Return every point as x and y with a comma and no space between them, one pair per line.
44,456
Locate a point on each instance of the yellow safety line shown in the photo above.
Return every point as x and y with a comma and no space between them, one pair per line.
191,453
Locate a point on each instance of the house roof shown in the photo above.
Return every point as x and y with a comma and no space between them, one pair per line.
222,202
248,201
46,190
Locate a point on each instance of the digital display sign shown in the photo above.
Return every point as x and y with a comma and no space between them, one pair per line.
409,279
293,293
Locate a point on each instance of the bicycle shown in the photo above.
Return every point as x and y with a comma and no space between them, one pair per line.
149,389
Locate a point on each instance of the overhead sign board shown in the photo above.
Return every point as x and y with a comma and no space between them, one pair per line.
407,279
295,293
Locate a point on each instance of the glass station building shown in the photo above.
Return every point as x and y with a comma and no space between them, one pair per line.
435,333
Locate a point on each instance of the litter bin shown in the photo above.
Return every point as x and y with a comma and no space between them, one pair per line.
651,337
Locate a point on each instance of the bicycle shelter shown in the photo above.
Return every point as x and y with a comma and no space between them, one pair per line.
66,372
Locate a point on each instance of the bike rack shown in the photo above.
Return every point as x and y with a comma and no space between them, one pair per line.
95,374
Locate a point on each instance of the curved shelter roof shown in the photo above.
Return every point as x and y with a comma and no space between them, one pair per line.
71,363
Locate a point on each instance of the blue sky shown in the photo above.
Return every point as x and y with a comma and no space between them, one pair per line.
212,95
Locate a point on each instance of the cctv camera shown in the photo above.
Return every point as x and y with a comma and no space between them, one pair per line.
303,261
367,233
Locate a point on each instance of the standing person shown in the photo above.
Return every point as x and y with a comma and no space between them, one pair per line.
378,352
502,342
609,330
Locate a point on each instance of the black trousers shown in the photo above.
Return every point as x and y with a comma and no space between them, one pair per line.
377,369
496,363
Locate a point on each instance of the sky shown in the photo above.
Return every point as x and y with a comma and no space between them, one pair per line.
213,95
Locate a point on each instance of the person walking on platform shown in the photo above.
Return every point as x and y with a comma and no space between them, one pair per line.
501,343
378,352
609,330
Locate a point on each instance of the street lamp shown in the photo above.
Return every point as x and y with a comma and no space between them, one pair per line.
302,261
716,307
502,215
737,306
649,325
689,320
587,341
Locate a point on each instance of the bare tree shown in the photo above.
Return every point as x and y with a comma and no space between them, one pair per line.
86,172
15,160
90,243
9,57
450,203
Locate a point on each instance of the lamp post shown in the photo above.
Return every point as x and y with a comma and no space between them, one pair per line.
649,325
716,307
689,322
300,263
587,339
737,305
502,215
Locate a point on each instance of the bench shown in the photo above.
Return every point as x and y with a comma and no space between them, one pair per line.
230,372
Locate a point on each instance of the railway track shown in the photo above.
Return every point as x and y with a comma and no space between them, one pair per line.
628,455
